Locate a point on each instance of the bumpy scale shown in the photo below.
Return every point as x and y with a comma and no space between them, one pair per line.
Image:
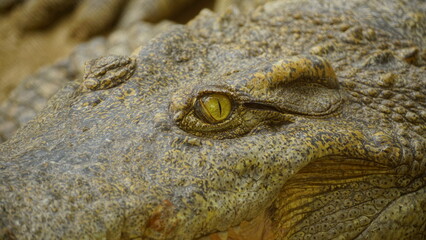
324,139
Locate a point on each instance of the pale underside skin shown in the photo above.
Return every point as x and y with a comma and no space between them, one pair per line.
323,138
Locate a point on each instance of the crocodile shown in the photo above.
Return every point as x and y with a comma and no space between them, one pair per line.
40,28
50,29
299,120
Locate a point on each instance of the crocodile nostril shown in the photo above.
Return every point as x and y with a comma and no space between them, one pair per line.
107,72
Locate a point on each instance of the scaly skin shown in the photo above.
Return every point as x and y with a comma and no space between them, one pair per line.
325,138
48,29
36,33
32,93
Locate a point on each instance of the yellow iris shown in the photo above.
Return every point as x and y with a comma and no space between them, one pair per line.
215,107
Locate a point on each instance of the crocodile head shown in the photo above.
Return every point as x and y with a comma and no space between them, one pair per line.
283,124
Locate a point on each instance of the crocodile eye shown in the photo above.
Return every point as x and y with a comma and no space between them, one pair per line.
214,107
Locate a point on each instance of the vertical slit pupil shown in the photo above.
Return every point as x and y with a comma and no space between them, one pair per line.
220,107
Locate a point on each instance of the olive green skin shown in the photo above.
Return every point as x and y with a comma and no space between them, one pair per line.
130,160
